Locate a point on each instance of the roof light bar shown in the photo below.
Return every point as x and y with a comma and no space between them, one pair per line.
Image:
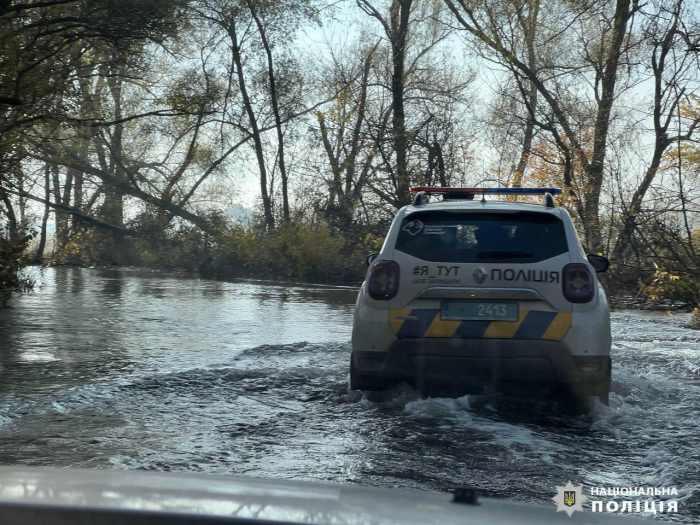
489,191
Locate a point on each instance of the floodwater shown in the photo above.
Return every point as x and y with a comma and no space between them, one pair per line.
145,370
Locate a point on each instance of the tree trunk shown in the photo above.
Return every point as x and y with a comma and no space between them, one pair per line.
595,169
629,223
12,223
530,29
236,52
21,201
112,210
83,143
527,141
61,218
662,140
400,12
39,255
276,111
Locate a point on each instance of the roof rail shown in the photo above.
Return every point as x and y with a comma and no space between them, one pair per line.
423,192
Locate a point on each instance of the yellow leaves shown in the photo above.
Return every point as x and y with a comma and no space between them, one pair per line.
690,159
517,183
661,275
690,108
672,286
695,319
545,167
72,248
689,153
343,110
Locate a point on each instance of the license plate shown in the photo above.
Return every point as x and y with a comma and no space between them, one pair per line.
473,311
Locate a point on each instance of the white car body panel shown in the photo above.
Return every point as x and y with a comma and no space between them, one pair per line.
40,496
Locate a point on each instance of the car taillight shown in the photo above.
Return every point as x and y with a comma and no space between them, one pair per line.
383,280
578,283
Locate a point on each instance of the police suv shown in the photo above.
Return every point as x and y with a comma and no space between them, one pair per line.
475,293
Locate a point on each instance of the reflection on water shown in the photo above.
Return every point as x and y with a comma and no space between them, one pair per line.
84,324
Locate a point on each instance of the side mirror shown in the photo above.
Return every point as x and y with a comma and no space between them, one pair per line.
371,257
599,263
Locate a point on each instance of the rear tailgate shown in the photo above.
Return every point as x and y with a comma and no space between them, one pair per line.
474,274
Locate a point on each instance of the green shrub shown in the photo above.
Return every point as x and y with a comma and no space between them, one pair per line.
298,250
674,287
13,258
294,251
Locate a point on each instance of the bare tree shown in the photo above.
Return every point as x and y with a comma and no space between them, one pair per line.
396,27
489,25
349,174
673,62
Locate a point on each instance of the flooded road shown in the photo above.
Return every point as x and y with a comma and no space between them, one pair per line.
139,370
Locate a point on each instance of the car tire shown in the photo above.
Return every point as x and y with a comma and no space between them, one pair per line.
363,382
571,401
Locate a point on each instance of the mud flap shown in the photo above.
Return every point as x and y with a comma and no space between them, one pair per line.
359,381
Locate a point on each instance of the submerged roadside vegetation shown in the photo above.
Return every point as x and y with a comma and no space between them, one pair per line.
298,251
14,257
128,129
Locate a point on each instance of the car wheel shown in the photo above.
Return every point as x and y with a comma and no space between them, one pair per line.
572,402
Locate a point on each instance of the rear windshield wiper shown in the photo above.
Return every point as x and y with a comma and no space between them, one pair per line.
504,255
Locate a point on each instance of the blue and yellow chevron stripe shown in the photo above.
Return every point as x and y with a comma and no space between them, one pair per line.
531,324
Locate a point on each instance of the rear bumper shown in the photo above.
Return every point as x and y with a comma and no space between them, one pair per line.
477,363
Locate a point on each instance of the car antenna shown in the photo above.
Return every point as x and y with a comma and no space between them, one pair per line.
483,195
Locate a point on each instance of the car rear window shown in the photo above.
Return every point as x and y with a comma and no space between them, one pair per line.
521,237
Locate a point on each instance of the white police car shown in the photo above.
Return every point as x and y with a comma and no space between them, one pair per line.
478,293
